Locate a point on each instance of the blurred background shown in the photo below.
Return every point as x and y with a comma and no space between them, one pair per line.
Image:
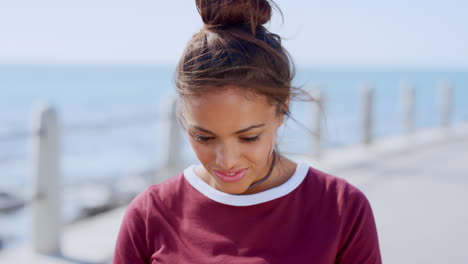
107,68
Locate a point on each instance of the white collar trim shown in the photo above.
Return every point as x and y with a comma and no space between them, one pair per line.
248,199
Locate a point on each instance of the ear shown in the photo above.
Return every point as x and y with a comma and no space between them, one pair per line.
281,117
284,109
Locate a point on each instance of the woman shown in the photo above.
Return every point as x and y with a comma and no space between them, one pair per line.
244,202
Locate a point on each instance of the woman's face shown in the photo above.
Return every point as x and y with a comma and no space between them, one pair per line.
233,137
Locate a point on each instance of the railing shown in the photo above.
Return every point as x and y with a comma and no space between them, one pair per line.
45,152
46,195
366,114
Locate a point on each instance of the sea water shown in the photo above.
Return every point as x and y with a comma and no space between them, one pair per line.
108,116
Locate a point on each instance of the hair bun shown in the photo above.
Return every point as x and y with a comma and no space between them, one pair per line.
227,13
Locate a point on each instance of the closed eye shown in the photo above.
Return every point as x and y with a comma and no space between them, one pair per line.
202,138
250,139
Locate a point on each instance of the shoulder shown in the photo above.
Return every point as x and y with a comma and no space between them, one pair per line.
154,196
146,219
350,210
344,195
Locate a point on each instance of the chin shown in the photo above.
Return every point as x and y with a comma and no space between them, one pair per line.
232,189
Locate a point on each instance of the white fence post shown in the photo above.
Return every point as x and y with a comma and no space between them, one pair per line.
367,98
171,143
46,202
319,96
407,104
445,103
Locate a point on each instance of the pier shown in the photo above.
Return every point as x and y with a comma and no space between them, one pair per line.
415,182
416,186
418,192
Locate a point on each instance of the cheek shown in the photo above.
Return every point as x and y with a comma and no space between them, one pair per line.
256,153
259,152
203,152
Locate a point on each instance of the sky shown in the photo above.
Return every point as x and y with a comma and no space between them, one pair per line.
352,33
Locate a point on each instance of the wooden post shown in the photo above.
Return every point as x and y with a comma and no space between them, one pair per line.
367,98
46,202
319,96
171,143
445,104
407,104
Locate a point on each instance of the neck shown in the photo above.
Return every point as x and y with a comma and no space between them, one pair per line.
272,175
272,166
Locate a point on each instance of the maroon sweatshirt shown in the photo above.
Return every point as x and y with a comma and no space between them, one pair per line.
312,218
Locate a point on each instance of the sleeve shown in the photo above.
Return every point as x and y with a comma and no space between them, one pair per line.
359,240
132,246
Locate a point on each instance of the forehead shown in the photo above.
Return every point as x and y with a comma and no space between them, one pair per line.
227,110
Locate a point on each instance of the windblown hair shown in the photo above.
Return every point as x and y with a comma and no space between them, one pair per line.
234,48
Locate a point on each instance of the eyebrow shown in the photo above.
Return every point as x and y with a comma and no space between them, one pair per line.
235,133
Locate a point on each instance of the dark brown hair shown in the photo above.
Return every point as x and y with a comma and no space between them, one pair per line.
234,48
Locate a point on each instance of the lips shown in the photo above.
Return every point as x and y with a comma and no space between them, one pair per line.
231,176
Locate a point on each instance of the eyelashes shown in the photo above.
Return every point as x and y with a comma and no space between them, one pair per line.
203,139
250,139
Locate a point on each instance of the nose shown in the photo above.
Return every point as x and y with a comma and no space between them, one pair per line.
227,156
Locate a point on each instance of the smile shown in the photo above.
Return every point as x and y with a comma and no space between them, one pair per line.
232,176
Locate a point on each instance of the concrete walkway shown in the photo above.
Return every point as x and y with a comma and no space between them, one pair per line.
419,195
90,241
417,188
420,202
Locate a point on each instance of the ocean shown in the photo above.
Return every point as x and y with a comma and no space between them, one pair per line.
109,116
127,99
